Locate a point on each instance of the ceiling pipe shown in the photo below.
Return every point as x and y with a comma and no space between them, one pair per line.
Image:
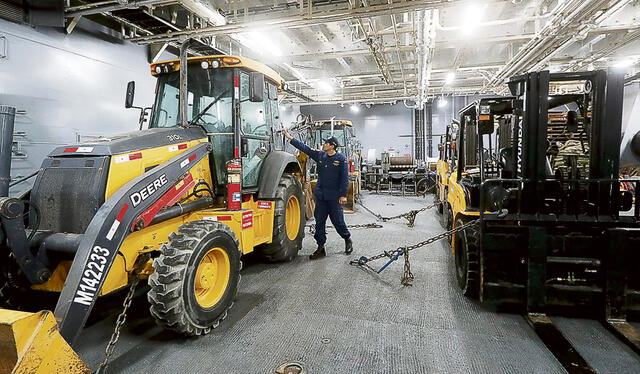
567,16
102,7
316,18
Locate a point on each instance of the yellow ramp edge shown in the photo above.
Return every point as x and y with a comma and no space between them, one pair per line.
30,343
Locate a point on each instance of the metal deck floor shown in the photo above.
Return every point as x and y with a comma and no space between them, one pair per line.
336,318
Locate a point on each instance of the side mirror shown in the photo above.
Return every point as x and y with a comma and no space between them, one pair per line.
131,90
256,87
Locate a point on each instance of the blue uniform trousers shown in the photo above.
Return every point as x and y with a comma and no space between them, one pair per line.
333,210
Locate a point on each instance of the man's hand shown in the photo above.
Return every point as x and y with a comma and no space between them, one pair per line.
343,200
286,134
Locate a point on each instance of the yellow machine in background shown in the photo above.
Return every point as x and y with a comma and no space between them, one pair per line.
176,205
444,168
349,146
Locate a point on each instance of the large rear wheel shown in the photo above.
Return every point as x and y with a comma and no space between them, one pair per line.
288,223
467,258
196,278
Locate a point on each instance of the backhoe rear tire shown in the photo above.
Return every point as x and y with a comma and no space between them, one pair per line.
288,223
467,260
196,278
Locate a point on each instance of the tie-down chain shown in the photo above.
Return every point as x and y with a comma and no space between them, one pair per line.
312,227
407,276
410,215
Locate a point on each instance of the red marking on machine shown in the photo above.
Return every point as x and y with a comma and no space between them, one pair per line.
265,204
247,220
129,157
116,223
177,147
168,199
78,150
188,160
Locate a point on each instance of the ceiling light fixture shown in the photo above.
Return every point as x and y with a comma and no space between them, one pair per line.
628,62
258,42
355,108
471,18
324,86
450,77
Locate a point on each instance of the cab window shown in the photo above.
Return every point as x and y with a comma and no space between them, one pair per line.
253,116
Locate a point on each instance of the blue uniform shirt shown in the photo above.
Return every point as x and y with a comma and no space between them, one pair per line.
333,172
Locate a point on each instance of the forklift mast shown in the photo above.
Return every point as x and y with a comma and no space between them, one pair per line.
600,101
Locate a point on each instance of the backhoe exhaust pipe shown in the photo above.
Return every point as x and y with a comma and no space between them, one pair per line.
7,120
184,49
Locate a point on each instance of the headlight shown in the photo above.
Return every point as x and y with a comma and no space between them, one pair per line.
158,69
485,109
215,64
204,64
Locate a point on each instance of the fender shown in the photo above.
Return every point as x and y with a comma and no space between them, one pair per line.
276,163
105,234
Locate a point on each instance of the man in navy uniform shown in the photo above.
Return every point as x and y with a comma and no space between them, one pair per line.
330,192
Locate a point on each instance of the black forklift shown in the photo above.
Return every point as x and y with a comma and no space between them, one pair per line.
558,232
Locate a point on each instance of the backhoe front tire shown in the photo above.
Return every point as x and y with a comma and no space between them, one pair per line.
288,223
196,278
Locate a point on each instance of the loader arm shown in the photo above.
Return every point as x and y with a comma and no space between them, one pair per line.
106,232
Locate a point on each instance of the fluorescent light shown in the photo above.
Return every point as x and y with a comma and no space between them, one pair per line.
624,63
355,108
471,18
450,77
258,42
213,16
442,102
324,86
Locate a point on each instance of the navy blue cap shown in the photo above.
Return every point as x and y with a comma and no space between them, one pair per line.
332,140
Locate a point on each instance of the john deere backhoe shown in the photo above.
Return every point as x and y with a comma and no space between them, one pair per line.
177,204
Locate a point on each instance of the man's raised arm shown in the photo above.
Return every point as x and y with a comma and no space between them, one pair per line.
315,155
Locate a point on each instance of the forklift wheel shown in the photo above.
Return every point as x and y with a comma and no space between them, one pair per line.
439,208
467,258
288,223
196,278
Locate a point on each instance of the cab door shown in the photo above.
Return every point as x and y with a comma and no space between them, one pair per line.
254,127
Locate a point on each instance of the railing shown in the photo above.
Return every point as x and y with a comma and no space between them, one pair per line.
578,197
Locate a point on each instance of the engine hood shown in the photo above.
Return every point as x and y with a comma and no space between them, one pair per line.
131,141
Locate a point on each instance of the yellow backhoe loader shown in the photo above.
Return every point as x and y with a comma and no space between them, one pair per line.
176,205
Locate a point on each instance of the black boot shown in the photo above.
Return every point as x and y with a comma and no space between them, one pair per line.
348,246
320,252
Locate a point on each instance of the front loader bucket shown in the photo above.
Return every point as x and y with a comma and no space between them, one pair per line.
30,343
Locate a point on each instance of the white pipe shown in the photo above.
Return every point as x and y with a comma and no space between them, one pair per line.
317,18
439,27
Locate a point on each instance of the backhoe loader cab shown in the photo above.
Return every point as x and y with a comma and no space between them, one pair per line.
177,205
540,171
349,146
